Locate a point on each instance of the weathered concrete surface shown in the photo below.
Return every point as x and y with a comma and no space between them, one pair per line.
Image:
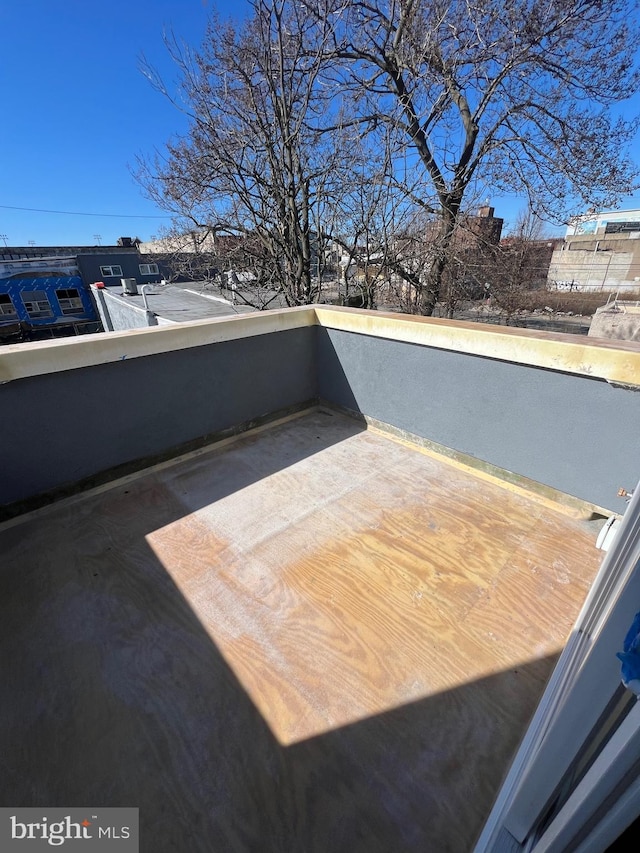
621,323
314,639
118,313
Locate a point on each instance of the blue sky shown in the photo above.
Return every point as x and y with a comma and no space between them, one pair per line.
77,111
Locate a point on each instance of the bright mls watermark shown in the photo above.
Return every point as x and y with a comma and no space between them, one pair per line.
80,830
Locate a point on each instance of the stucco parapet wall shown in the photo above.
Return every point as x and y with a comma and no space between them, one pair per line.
614,361
18,361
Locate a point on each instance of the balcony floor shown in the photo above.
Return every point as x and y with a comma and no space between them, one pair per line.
312,638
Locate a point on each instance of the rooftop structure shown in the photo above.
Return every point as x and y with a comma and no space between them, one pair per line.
44,292
299,580
17,253
51,296
162,303
479,230
605,222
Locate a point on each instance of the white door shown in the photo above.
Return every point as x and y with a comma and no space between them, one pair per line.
573,784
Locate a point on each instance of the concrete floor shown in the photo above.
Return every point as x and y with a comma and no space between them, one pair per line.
314,638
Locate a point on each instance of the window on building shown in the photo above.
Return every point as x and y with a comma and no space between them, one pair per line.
69,300
7,308
148,269
113,270
36,303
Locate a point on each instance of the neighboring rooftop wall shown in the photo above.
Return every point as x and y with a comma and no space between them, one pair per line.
117,315
65,425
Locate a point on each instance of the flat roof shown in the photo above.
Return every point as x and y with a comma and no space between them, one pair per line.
313,633
180,302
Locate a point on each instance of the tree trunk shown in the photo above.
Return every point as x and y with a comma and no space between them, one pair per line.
433,288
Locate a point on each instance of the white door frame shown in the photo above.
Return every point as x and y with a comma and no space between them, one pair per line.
603,781
582,685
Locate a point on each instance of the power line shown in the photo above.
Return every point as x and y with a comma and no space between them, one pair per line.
78,213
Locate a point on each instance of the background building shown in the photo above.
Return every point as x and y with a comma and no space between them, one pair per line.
600,251
44,297
45,290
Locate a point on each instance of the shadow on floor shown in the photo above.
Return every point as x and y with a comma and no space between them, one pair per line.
119,697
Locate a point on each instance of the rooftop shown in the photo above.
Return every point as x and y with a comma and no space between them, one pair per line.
301,575
315,633
181,302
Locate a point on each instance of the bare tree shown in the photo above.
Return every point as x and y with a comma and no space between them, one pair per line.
366,212
251,166
520,264
512,95
185,253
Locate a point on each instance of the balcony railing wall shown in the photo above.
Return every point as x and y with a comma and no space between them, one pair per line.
561,412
